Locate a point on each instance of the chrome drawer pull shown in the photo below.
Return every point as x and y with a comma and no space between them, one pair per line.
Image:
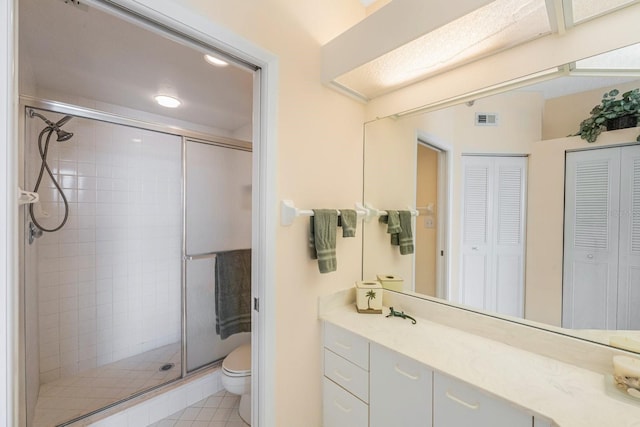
339,375
342,408
345,346
406,374
462,402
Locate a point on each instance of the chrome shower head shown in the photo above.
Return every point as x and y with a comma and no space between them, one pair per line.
63,135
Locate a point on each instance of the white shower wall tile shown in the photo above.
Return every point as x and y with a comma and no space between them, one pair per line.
109,281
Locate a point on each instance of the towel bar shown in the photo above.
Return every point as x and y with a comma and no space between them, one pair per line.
289,212
373,212
206,255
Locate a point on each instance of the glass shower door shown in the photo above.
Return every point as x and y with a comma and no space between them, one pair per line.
217,219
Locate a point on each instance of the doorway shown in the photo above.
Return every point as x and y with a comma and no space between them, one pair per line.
172,27
432,203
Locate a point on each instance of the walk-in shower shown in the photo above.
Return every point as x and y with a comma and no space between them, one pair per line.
120,298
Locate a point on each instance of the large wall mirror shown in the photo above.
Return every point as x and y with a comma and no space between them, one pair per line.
487,176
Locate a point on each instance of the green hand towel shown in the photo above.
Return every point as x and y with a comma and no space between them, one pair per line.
322,233
405,237
349,221
392,220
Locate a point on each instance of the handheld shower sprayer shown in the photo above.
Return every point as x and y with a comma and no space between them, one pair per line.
62,135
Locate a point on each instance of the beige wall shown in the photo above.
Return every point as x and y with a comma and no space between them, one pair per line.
562,115
426,238
390,184
319,159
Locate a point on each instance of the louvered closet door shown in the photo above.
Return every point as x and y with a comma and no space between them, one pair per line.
476,212
509,219
629,247
591,239
492,276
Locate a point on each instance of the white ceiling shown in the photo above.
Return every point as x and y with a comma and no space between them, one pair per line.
86,53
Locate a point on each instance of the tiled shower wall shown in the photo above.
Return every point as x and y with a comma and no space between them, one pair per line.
108,283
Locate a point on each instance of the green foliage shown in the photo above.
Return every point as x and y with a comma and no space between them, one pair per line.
611,107
370,295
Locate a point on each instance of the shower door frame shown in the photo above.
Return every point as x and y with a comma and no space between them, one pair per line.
185,136
166,14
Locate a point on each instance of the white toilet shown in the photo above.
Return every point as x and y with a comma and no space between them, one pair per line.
236,378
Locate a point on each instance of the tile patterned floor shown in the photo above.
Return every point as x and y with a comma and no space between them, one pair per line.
74,396
219,410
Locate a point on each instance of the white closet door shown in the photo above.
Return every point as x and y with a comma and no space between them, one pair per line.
494,196
591,239
509,249
476,229
629,247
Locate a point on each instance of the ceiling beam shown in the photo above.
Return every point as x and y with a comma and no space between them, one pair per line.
556,13
394,25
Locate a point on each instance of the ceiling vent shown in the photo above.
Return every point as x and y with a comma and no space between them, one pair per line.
486,119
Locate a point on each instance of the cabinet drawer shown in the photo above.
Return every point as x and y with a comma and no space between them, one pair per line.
352,347
342,409
350,376
400,390
457,404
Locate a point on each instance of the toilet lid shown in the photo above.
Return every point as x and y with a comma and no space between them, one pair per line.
239,360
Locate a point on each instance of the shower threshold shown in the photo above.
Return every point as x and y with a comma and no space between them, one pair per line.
85,392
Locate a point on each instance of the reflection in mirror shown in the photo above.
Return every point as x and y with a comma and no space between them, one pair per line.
488,178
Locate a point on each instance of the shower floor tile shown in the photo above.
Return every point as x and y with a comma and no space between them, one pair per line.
218,410
73,396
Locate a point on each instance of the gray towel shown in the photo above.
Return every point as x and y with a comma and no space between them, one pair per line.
233,292
348,220
405,236
322,238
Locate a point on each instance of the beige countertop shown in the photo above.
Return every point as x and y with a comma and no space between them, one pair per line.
567,394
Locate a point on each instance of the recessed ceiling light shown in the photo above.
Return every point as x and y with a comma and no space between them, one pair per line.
215,61
167,101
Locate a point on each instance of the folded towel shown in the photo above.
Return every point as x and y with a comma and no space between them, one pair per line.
405,236
322,235
392,220
233,292
348,220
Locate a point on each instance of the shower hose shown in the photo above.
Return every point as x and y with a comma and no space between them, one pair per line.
44,166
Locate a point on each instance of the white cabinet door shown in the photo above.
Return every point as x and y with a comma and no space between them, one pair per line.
629,247
344,343
591,239
349,376
341,408
493,225
400,390
602,239
456,404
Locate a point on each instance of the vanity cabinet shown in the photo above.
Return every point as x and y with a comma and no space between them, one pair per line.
346,378
369,385
458,404
401,390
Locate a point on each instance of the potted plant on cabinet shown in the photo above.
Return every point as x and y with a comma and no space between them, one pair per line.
612,113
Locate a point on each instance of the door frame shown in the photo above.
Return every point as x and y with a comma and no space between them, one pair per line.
175,17
444,209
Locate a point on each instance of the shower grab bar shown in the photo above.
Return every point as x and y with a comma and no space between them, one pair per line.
204,255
